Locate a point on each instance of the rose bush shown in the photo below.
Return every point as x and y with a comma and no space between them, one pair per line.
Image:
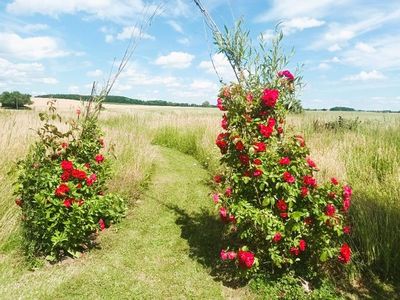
61,188
276,213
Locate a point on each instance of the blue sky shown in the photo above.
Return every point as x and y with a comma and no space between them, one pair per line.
350,48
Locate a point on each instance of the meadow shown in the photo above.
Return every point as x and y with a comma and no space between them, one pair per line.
168,257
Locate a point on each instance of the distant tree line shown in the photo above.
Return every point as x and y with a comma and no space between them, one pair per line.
344,108
127,100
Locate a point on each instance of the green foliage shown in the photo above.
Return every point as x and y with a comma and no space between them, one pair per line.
15,100
61,188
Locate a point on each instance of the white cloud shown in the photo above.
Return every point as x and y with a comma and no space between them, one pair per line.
287,9
133,32
115,10
222,66
380,53
324,66
48,80
175,26
363,47
338,35
17,74
177,60
74,89
299,24
31,48
95,73
364,76
268,34
202,84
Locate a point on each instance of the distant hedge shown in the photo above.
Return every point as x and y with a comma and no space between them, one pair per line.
124,100
14,100
342,108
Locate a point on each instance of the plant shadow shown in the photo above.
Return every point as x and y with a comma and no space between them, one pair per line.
205,236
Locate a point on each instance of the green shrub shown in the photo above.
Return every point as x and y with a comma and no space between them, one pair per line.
14,100
278,217
61,188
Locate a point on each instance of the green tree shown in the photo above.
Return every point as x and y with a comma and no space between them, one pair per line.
205,104
14,99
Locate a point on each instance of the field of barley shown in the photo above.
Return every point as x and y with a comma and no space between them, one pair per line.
164,159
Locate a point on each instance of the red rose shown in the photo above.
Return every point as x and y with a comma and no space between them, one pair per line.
334,181
303,191
270,97
286,73
244,159
260,147
221,142
311,163
277,237
249,97
220,105
281,205
215,198
217,178
224,122
289,178
284,161
92,178
346,204
102,224
67,165
78,174
345,254
239,146
68,202
347,192
87,166
247,173
19,202
346,229
310,181
228,192
246,259
257,161
99,158
227,255
62,190
64,145
284,215
302,245
257,173
266,131
65,176
271,122
294,251
330,210
280,130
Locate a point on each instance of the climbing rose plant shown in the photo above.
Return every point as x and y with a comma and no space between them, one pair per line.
61,187
277,214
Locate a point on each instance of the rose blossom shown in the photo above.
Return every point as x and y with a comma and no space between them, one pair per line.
246,259
277,237
260,147
284,161
286,73
102,224
215,198
345,254
257,173
330,210
270,97
281,205
309,181
99,158
303,191
302,245
289,178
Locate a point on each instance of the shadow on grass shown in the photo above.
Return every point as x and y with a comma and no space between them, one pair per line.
204,233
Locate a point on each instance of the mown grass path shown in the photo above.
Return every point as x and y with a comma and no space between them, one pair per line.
164,249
